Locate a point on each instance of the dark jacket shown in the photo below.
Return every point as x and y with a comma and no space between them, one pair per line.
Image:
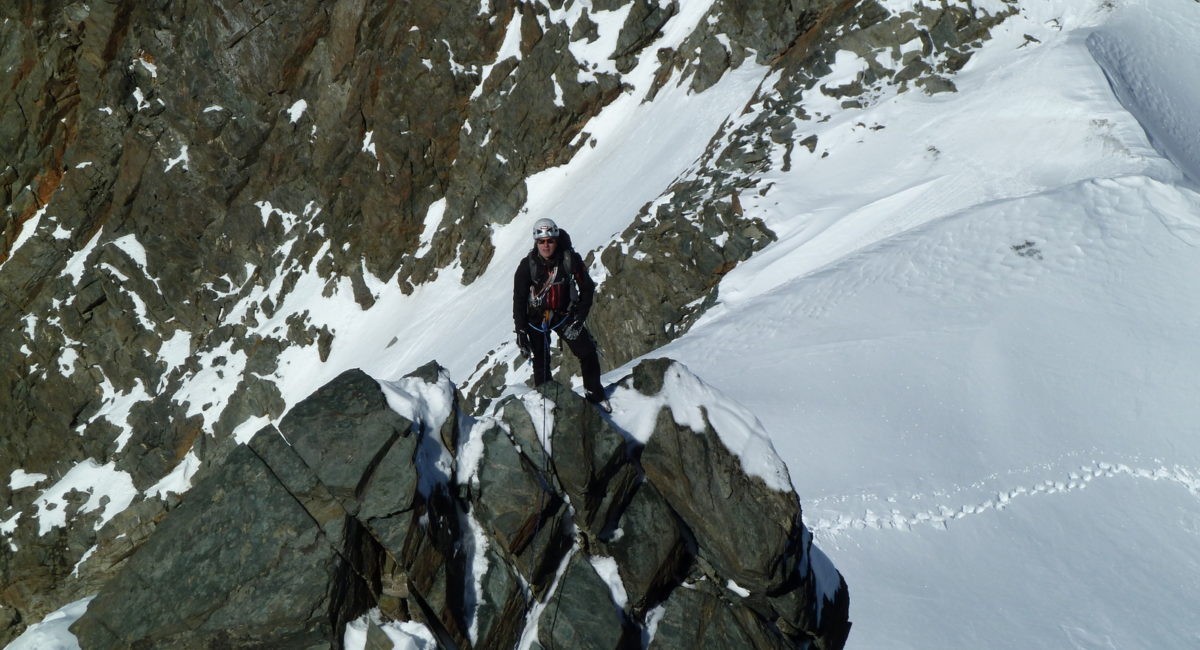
568,293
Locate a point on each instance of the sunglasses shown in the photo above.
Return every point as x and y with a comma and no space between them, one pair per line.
547,241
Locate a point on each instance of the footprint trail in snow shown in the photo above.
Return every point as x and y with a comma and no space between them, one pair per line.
830,525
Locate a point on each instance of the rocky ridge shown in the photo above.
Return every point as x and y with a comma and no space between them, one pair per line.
484,530
173,173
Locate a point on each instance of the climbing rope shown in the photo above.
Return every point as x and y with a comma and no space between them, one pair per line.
543,478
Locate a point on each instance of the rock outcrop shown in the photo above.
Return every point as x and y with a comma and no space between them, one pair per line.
551,524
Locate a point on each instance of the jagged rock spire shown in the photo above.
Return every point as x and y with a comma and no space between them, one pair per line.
554,526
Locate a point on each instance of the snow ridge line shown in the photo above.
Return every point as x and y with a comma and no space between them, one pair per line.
941,517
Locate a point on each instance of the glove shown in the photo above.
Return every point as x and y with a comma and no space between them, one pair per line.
523,342
572,329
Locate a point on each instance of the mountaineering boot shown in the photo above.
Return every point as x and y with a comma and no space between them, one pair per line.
600,401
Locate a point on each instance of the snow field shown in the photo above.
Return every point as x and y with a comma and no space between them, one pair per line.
1007,317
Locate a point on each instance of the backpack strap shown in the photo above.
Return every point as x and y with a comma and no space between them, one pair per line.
568,267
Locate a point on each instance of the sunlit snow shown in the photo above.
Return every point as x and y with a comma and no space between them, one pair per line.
296,110
52,632
107,488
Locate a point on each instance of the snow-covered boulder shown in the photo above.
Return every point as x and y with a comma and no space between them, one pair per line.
703,482
722,482
545,523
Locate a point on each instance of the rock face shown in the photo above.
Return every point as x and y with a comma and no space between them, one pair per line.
573,537
721,499
267,549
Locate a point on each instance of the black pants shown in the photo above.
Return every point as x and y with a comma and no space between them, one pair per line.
584,349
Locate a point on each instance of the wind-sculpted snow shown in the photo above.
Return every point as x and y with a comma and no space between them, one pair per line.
430,406
53,631
698,406
1149,53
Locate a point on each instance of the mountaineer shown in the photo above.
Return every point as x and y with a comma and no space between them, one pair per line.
552,292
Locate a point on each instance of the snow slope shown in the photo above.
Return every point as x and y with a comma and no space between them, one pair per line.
974,344
980,365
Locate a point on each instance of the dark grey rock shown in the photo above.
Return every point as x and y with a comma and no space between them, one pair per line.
9,618
116,542
643,24
524,431
585,29
264,552
500,615
391,487
343,431
722,499
581,612
393,531
286,466
697,616
436,571
648,374
518,507
654,551
377,639
803,612
589,456
262,572
511,495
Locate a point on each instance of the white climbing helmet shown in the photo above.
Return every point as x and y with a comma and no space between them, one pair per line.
544,228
